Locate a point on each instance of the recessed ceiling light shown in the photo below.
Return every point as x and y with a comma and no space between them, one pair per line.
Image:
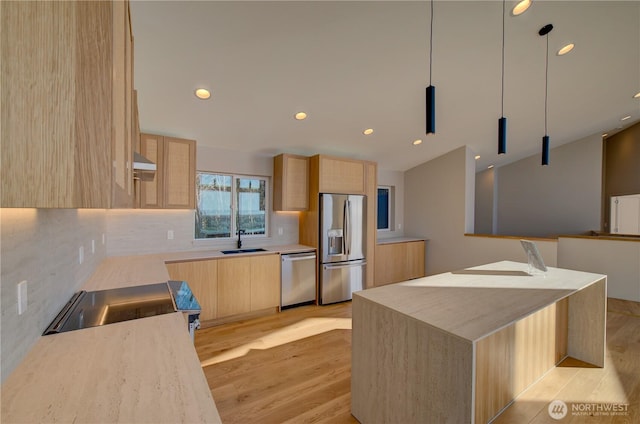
637,95
566,49
490,166
203,93
368,131
477,157
300,116
416,142
521,7
625,118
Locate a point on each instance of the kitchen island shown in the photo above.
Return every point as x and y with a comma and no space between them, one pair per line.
458,347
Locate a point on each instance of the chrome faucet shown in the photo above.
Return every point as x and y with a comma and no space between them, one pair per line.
240,241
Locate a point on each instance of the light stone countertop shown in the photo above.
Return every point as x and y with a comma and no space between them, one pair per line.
399,240
125,271
478,301
141,371
144,370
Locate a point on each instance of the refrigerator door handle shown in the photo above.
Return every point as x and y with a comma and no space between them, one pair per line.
345,265
347,226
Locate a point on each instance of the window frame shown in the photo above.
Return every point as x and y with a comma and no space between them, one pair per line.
389,208
233,230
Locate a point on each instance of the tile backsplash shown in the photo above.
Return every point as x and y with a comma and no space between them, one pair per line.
42,247
145,231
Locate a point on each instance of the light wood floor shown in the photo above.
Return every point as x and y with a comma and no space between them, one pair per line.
295,367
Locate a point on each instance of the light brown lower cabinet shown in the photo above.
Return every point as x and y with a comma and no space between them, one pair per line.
397,262
231,286
265,282
234,286
202,277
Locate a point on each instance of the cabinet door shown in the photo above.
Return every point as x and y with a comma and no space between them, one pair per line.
234,286
151,147
341,176
179,170
202,277
122,148
290,183
390,263
56,90
265,282
415,259
371,183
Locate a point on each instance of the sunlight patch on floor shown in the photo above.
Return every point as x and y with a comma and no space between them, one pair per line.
609,389
302,329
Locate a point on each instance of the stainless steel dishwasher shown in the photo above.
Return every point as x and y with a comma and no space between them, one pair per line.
298,279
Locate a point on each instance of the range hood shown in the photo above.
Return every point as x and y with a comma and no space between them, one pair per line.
143,168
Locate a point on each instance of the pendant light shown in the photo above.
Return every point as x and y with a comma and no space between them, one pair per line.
544,31
431,90
502,122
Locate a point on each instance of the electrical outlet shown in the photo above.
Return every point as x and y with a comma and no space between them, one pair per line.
22,297
399,226
103,239
280,231
170,235
81,255
93,246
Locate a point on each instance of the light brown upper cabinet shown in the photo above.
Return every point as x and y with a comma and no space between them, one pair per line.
64,75
173,186
123,107
339,175
290,183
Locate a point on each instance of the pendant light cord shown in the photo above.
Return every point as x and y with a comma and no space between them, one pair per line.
502,105
546,85
431,44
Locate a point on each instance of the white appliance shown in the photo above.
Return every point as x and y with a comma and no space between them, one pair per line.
342,246
625,214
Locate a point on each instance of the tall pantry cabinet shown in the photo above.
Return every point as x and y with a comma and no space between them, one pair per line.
66,93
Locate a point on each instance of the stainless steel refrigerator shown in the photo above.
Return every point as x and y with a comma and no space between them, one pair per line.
342,245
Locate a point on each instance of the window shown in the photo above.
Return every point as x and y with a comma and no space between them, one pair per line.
228,203
384,208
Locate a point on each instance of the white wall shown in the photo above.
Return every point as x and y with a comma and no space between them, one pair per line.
485,202
434,208
394,179
41,246
232,161
562,198
144,231
618,259
439,207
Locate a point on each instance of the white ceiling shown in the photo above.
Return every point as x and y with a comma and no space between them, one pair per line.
365,64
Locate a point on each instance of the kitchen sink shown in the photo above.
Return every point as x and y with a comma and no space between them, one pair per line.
229,252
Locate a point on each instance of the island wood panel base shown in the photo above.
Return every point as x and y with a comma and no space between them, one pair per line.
405,370
587,324
510,360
